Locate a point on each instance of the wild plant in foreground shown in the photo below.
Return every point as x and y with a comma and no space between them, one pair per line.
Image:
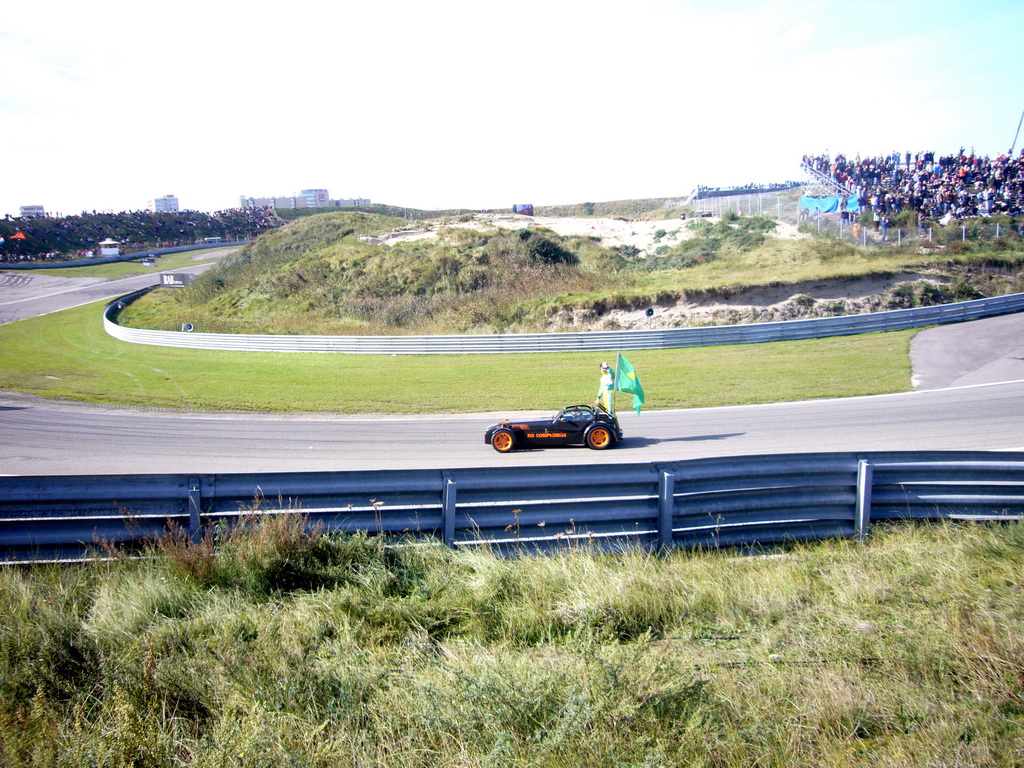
905,651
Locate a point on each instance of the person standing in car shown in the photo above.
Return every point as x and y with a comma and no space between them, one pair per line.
604,389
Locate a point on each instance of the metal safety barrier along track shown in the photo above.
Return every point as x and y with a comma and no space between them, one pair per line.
733,501
669,338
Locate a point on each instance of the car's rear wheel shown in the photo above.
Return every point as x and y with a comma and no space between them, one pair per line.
599,438
503,440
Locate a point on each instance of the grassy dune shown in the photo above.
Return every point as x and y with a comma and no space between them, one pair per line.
315,276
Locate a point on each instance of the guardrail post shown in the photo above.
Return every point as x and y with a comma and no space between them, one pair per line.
865,476
666,509
448,510
195,500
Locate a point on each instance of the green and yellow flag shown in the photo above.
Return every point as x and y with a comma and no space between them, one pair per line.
626,380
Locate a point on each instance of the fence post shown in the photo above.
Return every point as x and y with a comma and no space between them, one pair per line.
865,476
195,503
448,510
899,237
666,509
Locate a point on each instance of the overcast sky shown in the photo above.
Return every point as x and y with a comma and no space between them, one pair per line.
467,103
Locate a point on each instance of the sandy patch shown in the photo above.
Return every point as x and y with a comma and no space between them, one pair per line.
763,304
642,234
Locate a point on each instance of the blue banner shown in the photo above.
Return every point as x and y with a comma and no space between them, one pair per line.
830,204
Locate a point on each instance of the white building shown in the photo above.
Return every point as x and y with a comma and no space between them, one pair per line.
165,204
32,211
307,198
316,198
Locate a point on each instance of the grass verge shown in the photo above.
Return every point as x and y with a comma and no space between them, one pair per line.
69,355
274,648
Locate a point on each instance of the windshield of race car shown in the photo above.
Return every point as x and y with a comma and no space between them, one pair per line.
575,414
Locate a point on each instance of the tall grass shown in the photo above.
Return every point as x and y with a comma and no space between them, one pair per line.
906,651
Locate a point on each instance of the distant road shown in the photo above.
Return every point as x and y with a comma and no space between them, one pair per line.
30,294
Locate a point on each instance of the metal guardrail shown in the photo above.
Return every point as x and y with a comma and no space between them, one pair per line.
752,333
734,501
820,179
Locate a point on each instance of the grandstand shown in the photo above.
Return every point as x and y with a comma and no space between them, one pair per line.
70,237
961,185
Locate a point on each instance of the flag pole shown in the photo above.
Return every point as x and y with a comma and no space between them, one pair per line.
615,380
611,398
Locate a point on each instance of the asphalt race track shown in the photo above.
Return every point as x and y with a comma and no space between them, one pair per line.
30,294
40,438
47,440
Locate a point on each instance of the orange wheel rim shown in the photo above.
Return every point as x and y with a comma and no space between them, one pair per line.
600,437
503,441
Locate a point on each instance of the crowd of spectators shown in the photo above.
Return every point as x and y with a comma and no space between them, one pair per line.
69,237
954,186
703,192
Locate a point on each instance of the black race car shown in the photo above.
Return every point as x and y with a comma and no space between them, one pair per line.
573,425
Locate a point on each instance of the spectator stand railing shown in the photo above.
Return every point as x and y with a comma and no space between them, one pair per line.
817,182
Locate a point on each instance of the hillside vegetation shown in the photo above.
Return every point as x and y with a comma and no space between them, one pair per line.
377,209
614,208
268,646
316,276
627,209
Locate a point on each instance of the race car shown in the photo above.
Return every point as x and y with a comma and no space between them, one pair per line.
573,425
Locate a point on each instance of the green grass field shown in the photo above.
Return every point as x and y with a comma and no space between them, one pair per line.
69,355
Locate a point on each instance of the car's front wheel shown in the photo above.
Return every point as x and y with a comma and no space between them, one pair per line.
599,438
503,440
